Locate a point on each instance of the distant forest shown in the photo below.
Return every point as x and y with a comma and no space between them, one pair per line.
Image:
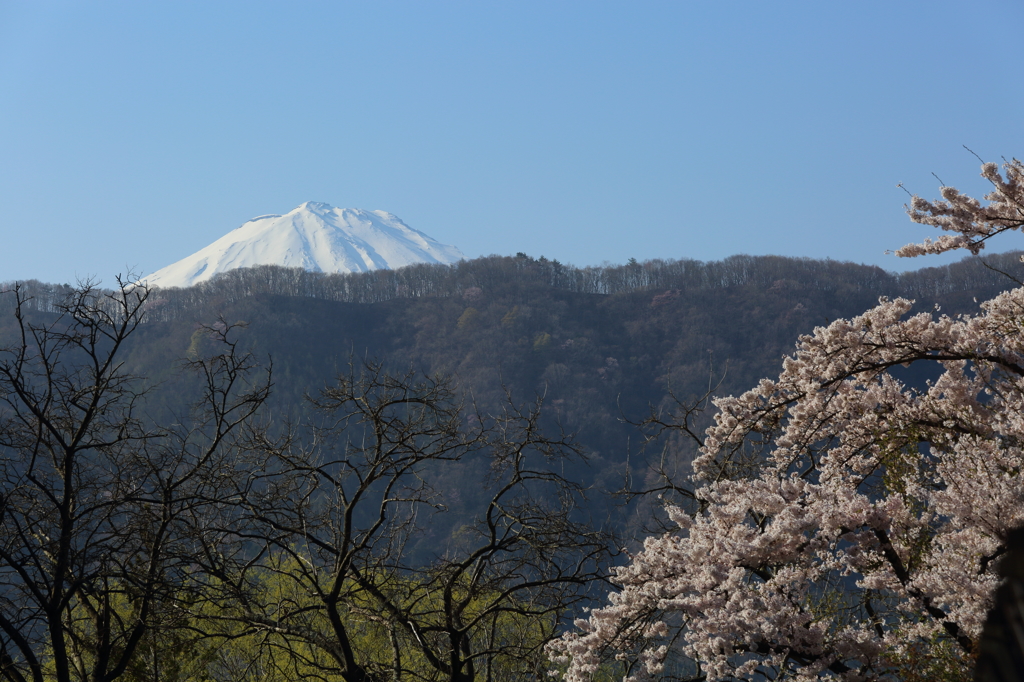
603,345
527,274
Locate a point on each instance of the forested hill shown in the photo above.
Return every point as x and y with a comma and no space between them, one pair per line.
599,343
502,273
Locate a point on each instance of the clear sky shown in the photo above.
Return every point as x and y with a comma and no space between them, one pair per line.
134,133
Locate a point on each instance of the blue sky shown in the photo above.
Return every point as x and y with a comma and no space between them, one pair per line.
134,133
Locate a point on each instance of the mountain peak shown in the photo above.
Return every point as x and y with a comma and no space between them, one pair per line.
317,207
315,236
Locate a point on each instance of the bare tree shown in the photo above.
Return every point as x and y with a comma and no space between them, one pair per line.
323,566
98,508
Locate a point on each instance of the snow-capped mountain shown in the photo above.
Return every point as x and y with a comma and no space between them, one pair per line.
314,236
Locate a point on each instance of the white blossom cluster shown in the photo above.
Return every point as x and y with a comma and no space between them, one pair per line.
972,223
869,529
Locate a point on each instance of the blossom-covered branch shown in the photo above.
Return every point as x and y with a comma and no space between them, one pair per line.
860,543
972,223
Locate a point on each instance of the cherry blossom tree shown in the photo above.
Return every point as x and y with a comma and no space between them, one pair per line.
846,517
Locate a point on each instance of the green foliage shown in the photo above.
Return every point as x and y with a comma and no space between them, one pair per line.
171,651
468,317
207,642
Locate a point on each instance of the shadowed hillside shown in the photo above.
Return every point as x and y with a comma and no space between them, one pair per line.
599,344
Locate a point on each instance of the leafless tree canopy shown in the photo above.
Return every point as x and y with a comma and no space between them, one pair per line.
332,523
217,544
98,508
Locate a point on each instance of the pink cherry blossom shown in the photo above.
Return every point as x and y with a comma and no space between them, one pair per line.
846,521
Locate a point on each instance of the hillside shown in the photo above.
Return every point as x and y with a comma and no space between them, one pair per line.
599,344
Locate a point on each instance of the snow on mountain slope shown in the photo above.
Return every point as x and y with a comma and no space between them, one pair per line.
314,236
